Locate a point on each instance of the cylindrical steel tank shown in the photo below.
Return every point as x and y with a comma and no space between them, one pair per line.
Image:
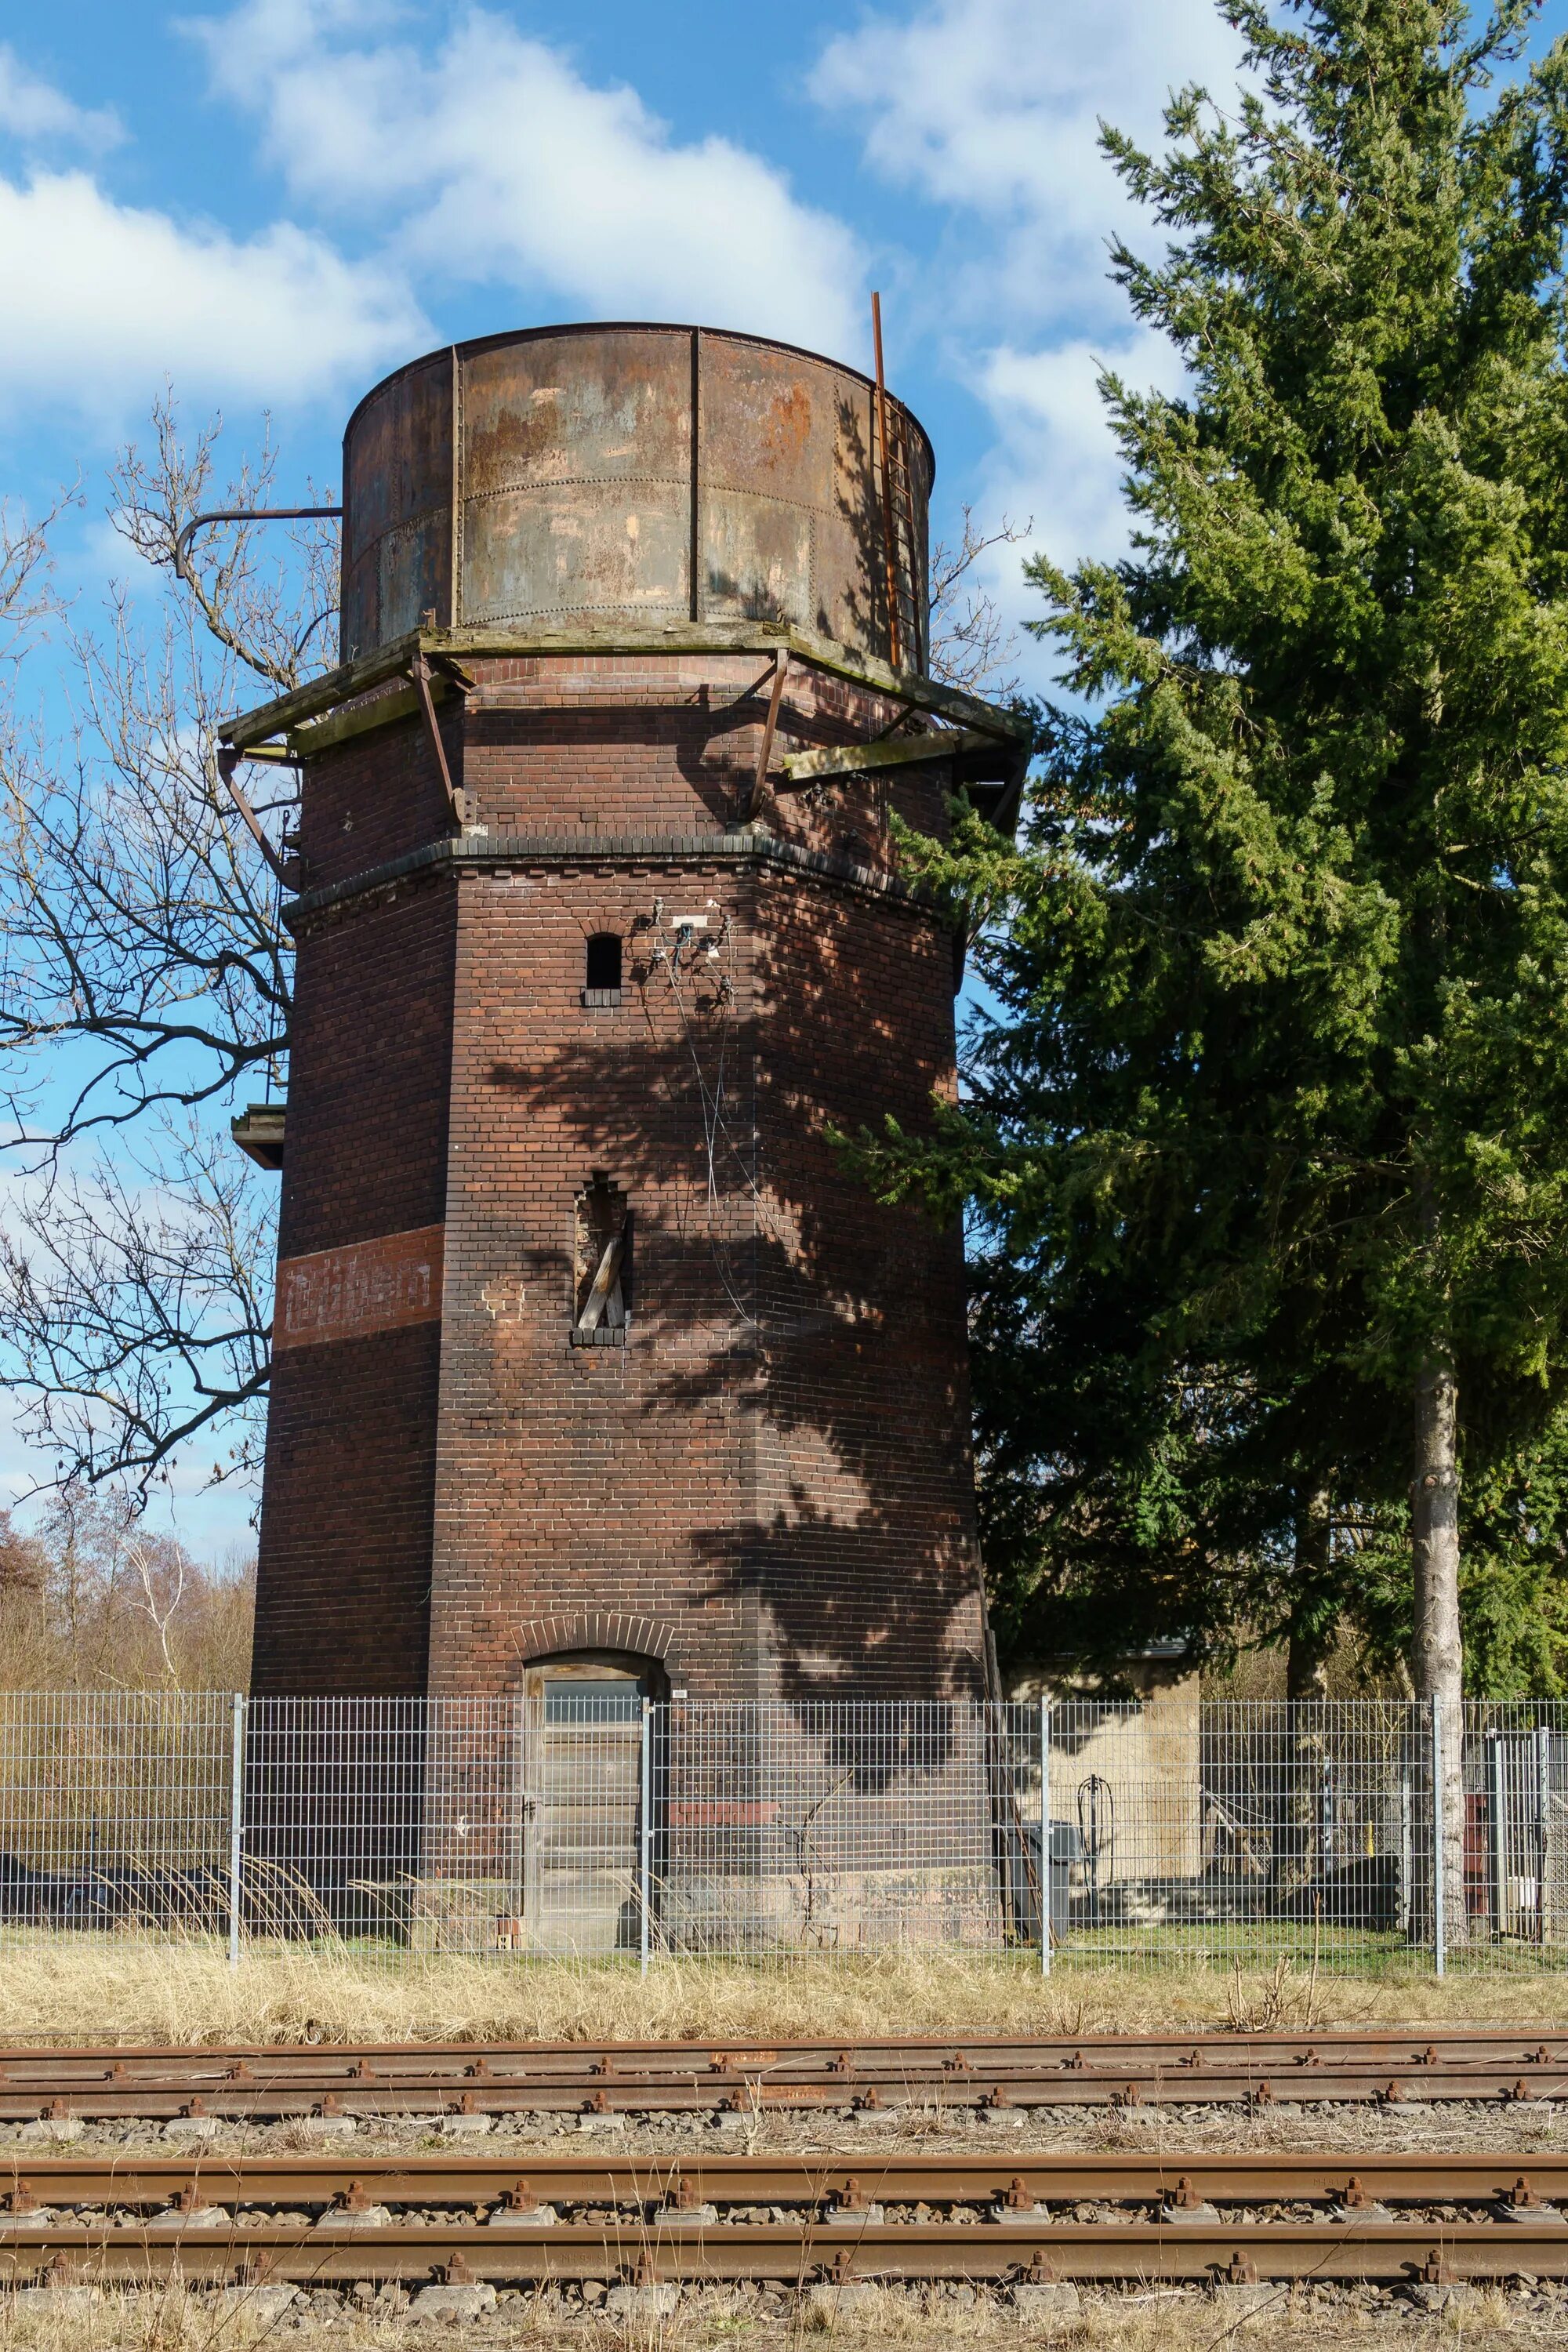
590,476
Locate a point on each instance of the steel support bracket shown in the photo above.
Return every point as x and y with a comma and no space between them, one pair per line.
770,725
457,799
227,760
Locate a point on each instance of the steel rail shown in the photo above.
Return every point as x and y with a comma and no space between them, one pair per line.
1219,2250
282,2101
259,2080
662,2221
1011,2179
1413,2043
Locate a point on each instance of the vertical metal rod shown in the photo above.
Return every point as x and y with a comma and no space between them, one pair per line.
697,554
1497,1823
454,535
1045,1835
235,1826
645,1841
1543,1820
889,548
1439,1923
1407,1860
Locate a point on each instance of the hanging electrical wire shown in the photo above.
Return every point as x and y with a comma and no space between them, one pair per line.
668,954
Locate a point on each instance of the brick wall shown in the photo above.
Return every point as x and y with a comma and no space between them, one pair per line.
343,1571
769,1481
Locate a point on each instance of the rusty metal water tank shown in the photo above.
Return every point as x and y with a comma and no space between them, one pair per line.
599,477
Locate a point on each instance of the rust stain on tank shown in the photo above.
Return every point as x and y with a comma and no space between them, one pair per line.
789,420
518,436
575,482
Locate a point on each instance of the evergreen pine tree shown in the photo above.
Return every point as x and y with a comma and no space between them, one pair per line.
1268,1154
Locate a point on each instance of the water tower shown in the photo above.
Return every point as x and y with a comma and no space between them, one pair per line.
590,1358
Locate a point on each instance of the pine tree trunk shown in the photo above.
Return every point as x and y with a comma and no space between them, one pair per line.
1306,1678
1436,1661
1307,1651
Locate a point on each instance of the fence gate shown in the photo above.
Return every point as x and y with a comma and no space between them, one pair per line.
582,1777
1513,1857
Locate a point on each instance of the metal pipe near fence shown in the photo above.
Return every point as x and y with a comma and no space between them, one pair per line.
1497,1828
236,1824
1439,1923
645,1839
1407,1859
1542,1815
1048,1860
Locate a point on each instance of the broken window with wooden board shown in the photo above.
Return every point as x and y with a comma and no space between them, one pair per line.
602,1265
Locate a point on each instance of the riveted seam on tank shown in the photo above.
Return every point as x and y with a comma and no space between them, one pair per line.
497,614
575,482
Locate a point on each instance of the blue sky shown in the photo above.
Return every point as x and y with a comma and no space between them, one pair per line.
271,204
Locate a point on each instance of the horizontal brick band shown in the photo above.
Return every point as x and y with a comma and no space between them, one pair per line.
366,1286
604,849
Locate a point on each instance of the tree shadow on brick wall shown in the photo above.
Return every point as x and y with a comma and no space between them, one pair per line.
768,1280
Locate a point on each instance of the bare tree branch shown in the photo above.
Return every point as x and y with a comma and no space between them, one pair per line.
136,1304
160,1594
26,591
256,606
970,645
137,916
145,982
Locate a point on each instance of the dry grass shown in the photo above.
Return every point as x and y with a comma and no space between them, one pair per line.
69,1989
1159,2321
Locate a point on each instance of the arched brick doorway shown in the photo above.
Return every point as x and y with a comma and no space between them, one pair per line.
586,1785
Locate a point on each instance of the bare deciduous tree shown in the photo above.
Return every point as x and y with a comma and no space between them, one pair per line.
138,1298
95,1600
144,984
971,643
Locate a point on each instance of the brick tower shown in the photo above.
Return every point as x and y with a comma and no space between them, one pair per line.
588,1352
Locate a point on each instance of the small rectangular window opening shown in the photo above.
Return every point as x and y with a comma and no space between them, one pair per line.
602,1269
602,978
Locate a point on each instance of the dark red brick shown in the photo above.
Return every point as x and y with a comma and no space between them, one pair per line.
768,1487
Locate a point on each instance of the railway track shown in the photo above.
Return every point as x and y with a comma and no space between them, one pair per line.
799,2220
272,2084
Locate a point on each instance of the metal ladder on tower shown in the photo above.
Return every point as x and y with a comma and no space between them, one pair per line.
906,619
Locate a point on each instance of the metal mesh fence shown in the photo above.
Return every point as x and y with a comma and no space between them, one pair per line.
1228,1829
587,1823
1514,1901
115,1808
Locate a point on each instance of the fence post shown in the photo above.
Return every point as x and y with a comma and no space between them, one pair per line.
1439,1920
1498,1822
235,1826
1045,1835
1543,1820
645,1841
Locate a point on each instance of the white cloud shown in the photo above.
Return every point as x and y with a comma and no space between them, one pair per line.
493,160
33,110
992,110
993,107
1054,464
1055,458
101,301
